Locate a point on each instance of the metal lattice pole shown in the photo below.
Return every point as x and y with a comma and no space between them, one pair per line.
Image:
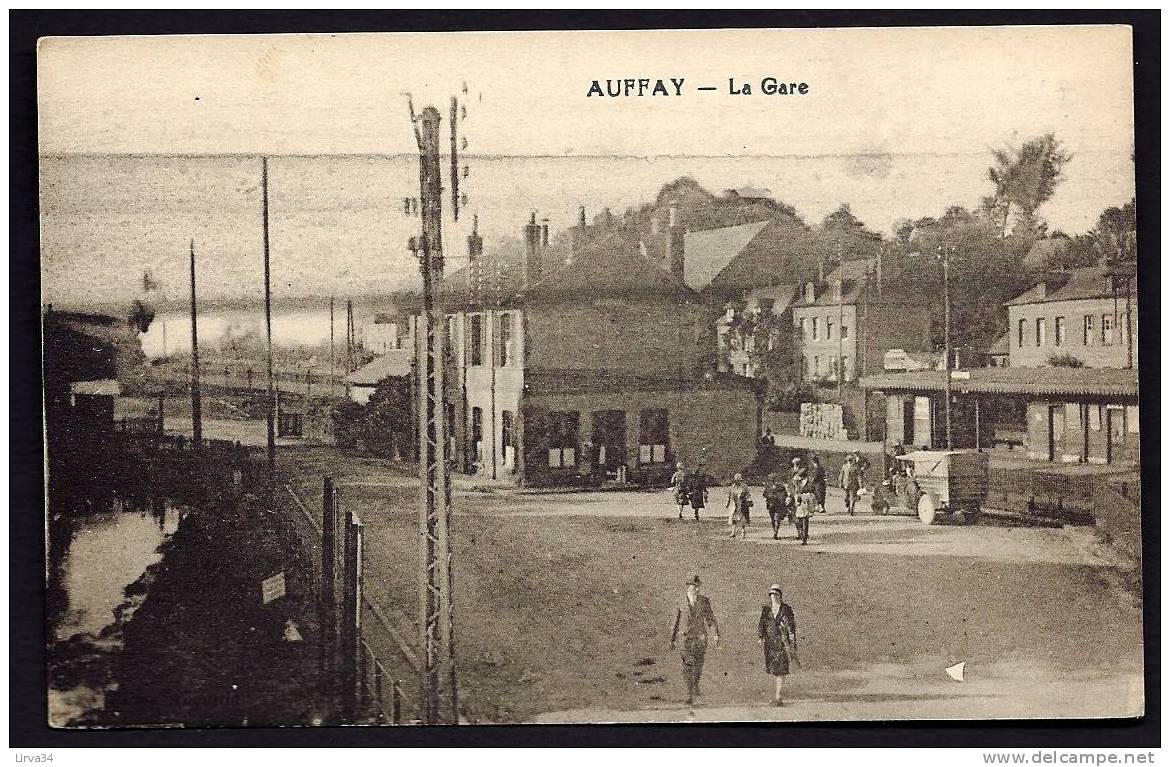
438,683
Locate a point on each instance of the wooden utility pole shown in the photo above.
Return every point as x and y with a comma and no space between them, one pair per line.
196,398
332,372
348,336
438,688
840,341
268,325
945,256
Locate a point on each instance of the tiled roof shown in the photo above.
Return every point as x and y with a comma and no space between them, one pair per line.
853,274
606,267
1073,285
707,253
394,363
1093,382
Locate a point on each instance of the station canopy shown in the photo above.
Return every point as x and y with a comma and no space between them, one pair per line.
1041,381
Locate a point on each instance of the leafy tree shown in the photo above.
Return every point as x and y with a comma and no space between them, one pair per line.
774,352
1115,235
1025,179
844,236
140,317
986,270
389,417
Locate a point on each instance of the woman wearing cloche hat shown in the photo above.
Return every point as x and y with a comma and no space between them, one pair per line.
778,636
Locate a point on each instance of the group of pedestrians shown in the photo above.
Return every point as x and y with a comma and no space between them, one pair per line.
694,619
795,498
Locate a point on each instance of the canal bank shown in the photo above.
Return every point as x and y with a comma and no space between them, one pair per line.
158,612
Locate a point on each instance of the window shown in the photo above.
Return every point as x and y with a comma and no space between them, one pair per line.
506,354
1106,329
1041,331
655,435
815,328
844,332
449,340
1059,323
828,330
562,438
816,366
1020,339
1088,330
805,366
507,438
804,328
476,342
477,434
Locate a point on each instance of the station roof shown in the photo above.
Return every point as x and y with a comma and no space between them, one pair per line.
394,363
1041,381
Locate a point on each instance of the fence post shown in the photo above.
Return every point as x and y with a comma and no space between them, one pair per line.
351,619
329,611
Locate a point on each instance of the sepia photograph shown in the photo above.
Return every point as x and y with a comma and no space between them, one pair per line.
591,377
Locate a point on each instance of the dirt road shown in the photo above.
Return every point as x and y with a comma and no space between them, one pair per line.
564,602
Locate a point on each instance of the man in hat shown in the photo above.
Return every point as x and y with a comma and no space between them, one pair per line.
776,499
691,619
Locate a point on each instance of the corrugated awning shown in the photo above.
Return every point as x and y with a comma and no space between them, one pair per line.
1046,381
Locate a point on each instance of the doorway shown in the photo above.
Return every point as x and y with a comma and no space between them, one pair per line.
1114,433
609,440
1056,423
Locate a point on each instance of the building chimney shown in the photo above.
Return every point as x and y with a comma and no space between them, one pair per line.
675,244
474,242
532,260
821,268
576,236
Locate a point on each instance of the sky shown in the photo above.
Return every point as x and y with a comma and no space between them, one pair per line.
870,90
899,123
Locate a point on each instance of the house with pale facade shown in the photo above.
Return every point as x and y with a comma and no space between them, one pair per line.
582,364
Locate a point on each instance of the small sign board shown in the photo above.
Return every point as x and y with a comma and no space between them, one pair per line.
272,588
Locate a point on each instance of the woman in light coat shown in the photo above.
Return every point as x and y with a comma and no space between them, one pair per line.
739,500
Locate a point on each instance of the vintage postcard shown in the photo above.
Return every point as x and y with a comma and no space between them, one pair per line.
579,377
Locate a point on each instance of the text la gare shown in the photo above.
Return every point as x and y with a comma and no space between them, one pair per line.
769,86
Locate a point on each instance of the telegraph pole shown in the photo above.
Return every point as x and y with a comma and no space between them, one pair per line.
944,254
268,324
331,371
840,341
438,678
196,398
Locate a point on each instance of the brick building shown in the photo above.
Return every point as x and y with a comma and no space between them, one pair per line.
1064,414
583,363
1089,314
